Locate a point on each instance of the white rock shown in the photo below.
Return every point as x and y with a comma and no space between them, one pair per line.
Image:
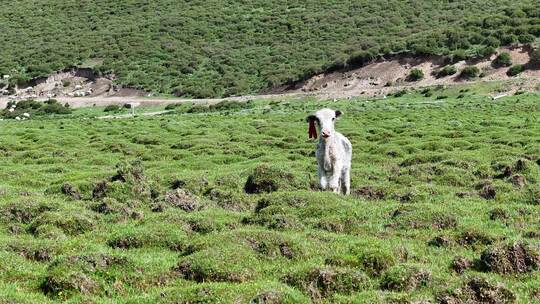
26,114
11,110
17,118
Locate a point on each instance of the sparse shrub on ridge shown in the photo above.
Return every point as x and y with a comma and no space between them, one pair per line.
447,71
470,72
502,60
515,70
416,75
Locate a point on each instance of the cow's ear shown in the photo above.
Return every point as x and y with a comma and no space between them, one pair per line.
338,113
311,118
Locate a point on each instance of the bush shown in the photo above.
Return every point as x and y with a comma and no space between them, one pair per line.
400,93
447,71
360,57
470,72
535,57
55,108
515,70
502,60
34,108
526,38
112,108
486,51
416,74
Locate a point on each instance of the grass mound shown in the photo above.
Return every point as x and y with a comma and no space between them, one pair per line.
185,230
323,282
233,264
513,258
266,178
405,278
71,222
478,290
81,274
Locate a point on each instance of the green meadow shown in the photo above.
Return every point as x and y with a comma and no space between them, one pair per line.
444,206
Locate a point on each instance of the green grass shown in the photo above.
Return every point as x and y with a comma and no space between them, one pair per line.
223,48
422,179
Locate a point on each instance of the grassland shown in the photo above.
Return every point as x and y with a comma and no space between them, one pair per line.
153,209
222,48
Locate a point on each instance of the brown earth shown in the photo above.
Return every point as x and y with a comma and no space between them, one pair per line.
386,76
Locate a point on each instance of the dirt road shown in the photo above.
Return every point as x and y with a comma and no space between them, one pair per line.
81,102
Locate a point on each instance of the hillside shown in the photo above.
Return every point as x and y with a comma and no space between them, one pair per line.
216,48
445,204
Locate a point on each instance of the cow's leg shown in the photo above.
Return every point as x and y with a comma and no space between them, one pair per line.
323,180
333,181
346,181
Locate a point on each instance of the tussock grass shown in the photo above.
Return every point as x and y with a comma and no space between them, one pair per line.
154,209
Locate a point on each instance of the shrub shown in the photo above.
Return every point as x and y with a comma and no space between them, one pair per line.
458,55
112,108
416,74
470,72
535,57
502,60
55,108
360,57
515,70
400,93
447,71
526,38
486,51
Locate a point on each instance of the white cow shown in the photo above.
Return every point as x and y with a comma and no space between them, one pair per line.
334,152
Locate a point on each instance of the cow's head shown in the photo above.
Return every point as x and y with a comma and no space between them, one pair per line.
323,119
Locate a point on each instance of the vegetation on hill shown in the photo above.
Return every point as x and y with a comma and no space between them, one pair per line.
220,205
29,108
217,48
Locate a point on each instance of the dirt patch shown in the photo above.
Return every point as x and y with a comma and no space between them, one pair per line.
514,258
126,242
498,214
460,264
486,190
182,199
440,241
519,181
387,75
474,238
71,191
370,193
32,253
99,190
